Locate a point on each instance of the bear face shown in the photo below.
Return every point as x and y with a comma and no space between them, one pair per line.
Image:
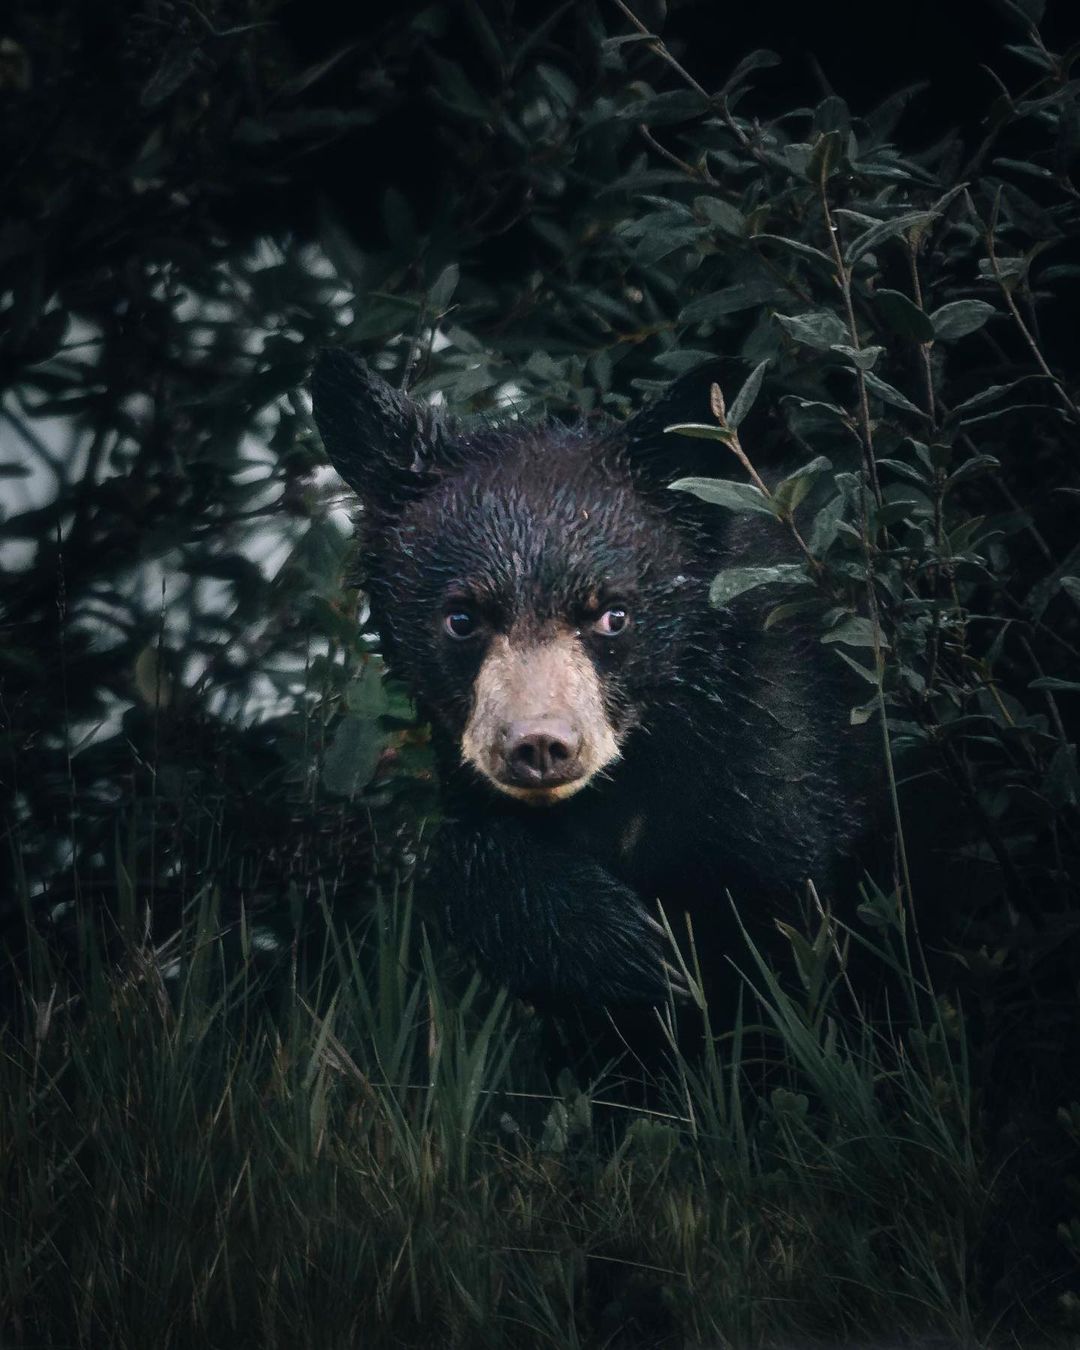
604,737
532,601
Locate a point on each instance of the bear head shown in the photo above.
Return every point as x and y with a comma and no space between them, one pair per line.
534,586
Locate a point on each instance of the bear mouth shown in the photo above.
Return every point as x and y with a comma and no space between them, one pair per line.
541,795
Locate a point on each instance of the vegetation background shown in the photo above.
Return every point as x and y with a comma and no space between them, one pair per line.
246,1097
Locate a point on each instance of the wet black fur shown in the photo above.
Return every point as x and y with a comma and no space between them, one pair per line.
738,773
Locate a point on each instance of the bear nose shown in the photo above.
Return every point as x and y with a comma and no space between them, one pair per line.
543,752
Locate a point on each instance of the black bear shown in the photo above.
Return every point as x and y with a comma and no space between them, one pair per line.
605,737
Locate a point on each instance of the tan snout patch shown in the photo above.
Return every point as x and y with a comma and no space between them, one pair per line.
519,682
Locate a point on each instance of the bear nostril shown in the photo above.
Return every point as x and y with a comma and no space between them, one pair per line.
540,753
527,754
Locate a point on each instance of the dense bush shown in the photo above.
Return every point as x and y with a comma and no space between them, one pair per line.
189,700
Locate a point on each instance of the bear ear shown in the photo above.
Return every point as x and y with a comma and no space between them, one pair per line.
662,456
379,440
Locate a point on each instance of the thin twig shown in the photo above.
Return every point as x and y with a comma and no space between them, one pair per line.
657,45
924,347
719,411
843,278
702,173
1018,318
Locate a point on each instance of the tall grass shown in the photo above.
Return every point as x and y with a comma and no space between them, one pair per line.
337,1144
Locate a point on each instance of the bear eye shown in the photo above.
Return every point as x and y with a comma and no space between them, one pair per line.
459,623
611,623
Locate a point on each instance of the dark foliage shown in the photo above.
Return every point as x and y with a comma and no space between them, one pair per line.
188,697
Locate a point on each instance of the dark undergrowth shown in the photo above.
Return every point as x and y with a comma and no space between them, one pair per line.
242,1101
334,1141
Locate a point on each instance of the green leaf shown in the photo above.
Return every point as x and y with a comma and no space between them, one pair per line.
888,394
721,492
881,121
721,214
806,249
379,315
853,632
797,157
612,44
863,358
367,695
970,468
1027,13
826,526
827,152
454,90
1027,215
910,471
744,400
761,59
883,230
938,455
818,328
903,316
1051,682
702,431
987,395
832,114
463,340
1045,409
900,509
810,405
683,358
559,84
788,610
789,493
869,676
678,105
445,285
353,756
743,295
960,318
659,243
734,581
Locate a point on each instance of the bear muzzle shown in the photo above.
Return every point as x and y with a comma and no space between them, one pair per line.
538,730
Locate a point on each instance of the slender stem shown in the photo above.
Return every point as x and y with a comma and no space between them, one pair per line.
702,174
719,411
1025,331
939,479
924,347
843,276
843,279
890,773
784,513
657,45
